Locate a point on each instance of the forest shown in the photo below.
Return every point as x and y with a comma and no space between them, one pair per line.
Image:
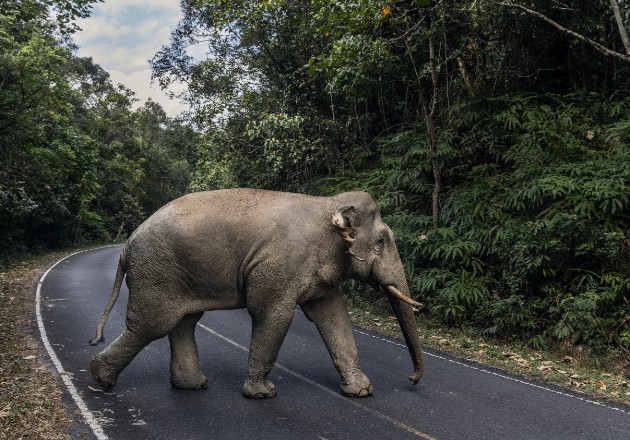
493,134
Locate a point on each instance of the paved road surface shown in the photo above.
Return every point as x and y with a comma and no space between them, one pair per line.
454,400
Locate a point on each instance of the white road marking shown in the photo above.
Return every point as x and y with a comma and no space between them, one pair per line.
333,393
89,417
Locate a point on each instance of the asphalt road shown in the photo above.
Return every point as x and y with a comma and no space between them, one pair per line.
454,400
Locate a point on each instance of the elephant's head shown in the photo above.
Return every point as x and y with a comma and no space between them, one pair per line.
373,258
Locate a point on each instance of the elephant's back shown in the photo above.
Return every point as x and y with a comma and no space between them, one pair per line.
232,208
226,225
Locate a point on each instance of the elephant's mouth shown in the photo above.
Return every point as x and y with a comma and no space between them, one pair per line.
402,297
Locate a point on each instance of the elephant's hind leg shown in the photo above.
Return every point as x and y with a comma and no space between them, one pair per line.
185,368
109,363
142,328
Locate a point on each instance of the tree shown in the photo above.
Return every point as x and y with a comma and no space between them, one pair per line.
168,151
78,164
36,12
45,173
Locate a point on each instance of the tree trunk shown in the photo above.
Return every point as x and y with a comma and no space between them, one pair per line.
471,85
433,141
119,233
620,24
437,175
429,111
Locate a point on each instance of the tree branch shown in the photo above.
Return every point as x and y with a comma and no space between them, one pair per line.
600,48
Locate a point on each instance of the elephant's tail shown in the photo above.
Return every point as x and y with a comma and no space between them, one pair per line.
120,274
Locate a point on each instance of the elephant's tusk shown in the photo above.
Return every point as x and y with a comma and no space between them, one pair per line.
401,296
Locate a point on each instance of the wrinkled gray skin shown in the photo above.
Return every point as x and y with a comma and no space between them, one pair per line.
261,250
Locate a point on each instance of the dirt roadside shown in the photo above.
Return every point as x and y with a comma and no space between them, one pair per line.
33,404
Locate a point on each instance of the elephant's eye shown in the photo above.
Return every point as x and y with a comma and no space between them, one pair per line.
379,246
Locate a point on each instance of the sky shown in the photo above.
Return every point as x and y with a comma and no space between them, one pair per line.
123,35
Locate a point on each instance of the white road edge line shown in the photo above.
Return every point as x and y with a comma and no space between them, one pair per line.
85,412
513,379
333,393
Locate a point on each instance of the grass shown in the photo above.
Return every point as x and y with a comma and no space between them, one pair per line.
32,406
573,367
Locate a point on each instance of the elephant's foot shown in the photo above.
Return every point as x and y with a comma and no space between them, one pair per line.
191,381
104,375
357,385
263,389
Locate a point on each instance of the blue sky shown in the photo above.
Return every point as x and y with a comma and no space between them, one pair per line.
122,35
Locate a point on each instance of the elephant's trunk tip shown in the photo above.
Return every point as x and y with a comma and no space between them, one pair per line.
415,376
401,296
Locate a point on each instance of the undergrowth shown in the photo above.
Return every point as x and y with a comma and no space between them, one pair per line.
534,244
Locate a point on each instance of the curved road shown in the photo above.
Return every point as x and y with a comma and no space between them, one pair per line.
454,400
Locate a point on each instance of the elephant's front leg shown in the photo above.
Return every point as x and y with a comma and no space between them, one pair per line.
330,315
185,370
269,327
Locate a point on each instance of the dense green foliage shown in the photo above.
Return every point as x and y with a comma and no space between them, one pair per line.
495,136
77,163
536,215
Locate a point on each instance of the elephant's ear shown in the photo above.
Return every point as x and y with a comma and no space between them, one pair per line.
342,219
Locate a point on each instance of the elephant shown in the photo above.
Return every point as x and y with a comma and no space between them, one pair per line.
265,251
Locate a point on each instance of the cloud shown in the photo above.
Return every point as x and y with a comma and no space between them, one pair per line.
140,83
118,6
123,35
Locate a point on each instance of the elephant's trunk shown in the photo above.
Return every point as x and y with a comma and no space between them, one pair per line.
402,306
